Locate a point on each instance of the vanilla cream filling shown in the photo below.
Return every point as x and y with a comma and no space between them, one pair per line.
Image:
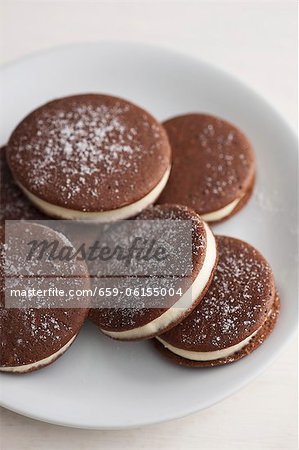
221,213
185,302
103,216
41,362
208,356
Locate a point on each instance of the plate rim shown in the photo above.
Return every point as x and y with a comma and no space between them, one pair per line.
166,418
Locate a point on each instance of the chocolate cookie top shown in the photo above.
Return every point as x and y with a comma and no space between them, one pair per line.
213,163
237,303
31,334
180,212
14,204
137,315
89,153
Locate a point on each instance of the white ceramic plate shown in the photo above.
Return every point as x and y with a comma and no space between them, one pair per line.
100,383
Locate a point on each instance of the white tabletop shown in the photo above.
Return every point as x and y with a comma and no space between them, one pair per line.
255,40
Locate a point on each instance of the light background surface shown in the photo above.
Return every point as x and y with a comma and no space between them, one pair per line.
255,40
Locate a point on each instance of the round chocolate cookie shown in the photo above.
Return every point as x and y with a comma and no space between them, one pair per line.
213,168
236,315
14,204
91,157
36,333
137,320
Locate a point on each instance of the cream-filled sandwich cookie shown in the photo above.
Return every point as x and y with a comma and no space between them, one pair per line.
236,315
34,337
139,322
90,157
213,168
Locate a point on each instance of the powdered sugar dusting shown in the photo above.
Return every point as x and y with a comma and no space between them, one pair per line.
236,303
173,212
28,334
76,147
219,145
213,163
137,311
